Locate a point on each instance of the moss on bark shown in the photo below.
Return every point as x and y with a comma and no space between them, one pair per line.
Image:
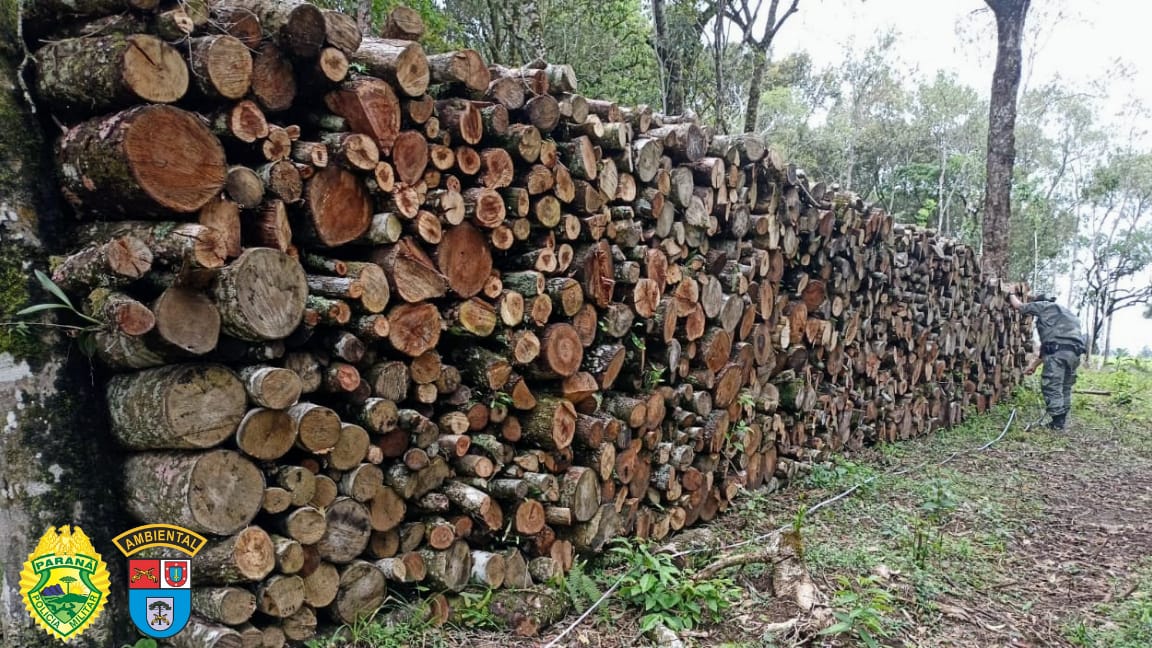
58,463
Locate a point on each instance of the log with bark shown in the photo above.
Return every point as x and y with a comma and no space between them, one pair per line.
464,321
147,160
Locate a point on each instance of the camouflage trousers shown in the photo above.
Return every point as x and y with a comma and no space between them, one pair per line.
1056,383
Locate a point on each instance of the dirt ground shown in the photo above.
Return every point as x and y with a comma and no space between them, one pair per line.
1042,539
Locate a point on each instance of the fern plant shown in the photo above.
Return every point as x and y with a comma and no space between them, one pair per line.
582,590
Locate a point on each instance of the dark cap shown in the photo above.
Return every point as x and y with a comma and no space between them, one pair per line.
1041,297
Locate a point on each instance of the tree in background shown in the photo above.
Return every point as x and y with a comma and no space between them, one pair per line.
677,29
796,93
1010,16
863,139
757,36
607,46
439,34
1059,144
1117,240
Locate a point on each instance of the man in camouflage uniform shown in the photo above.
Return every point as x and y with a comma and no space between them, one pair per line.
1061,344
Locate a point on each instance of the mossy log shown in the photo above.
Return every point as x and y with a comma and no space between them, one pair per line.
551,424
177,406
246,557
112,264
79,77
527,612
172,245
145,161
261,295
217,492
449,569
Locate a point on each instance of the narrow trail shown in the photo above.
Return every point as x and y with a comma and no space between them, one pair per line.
1037,540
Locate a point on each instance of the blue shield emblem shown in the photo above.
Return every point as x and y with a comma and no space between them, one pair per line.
160,598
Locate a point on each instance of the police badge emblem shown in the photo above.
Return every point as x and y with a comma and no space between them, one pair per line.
159,589
65,583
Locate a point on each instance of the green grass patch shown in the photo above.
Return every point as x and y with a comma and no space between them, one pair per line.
406,629
1126,623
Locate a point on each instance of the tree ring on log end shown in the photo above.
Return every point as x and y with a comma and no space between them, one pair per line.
175,159
464,258
220,492
263,293
562,350
154,70
339,206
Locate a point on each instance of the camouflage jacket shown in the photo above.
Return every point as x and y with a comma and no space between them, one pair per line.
1054,323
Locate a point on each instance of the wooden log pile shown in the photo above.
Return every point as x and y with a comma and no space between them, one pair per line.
438,322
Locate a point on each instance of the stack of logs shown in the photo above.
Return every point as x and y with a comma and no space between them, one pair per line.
381,317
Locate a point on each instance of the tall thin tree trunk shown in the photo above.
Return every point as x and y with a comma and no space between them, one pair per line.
535,29
755,83
852,162
940,187
1107,340
718,64
669,61
55,448
1072,269
1094,334
1010,15
1035,253
364,16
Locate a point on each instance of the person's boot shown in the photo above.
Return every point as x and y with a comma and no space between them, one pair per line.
1057,422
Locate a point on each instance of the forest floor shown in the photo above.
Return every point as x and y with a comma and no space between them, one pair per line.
1041,539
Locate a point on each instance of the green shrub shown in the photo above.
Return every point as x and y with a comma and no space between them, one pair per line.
666,595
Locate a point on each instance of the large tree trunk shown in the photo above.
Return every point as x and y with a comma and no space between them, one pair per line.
56,453
1010,15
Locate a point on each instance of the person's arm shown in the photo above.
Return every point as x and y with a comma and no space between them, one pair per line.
1034,365
1015,301
1035,359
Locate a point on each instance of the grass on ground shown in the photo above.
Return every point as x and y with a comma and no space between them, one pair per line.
1043,539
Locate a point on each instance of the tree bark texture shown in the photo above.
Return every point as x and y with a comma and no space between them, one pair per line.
1010,17
56,453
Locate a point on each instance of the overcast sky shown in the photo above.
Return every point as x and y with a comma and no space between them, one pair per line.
1078,41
